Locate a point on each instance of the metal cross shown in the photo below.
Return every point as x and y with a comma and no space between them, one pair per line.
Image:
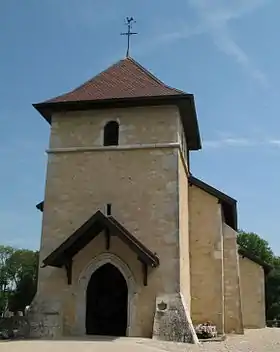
129,22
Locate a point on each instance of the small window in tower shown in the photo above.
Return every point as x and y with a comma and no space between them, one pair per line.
111,133
109,209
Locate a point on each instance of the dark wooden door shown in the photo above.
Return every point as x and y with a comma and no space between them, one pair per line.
107,296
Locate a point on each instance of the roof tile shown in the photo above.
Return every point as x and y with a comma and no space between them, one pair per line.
125,79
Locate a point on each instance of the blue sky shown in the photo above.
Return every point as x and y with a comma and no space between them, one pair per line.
224,52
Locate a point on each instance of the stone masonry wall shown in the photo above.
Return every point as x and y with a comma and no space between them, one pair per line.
141,185
233,313
137,126
252,294
206,259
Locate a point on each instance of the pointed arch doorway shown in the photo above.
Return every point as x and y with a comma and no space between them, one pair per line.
106,302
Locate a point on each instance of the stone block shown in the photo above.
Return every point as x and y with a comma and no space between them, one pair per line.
171,321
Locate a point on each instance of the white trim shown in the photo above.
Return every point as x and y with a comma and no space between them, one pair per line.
85,276
114,147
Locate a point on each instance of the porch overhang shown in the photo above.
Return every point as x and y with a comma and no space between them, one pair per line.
63,255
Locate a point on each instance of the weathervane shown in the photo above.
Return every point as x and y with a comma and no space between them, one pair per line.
128,23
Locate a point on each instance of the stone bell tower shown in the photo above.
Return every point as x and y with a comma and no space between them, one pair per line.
116,198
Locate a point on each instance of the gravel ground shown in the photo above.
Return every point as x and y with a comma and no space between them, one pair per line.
259,340
264,340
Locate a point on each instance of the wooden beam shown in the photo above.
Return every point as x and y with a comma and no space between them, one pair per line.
68,267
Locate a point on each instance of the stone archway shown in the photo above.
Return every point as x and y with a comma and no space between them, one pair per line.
106,303
83,284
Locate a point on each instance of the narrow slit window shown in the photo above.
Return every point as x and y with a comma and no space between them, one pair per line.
111,133
109,209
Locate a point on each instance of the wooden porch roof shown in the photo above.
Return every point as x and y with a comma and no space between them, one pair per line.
99,222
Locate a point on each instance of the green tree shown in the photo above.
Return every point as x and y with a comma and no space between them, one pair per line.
18,277
23,271
273,294
5,253
256,245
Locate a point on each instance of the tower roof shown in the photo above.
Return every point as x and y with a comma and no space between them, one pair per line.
126,84
125,79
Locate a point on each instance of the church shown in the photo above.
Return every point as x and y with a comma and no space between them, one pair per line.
133,244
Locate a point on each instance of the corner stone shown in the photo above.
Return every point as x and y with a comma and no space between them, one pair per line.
172,320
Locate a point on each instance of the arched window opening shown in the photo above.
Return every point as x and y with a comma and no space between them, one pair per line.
111,133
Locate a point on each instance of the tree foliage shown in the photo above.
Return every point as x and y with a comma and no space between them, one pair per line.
256,245
5,253
18,277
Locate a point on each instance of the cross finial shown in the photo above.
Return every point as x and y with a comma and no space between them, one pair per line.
128,23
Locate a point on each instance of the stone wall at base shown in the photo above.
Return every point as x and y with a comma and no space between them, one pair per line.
45,321
14,327
171,321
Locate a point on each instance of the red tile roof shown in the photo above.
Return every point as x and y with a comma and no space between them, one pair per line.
125,79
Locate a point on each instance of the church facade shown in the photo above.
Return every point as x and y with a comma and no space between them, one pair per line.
132,243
